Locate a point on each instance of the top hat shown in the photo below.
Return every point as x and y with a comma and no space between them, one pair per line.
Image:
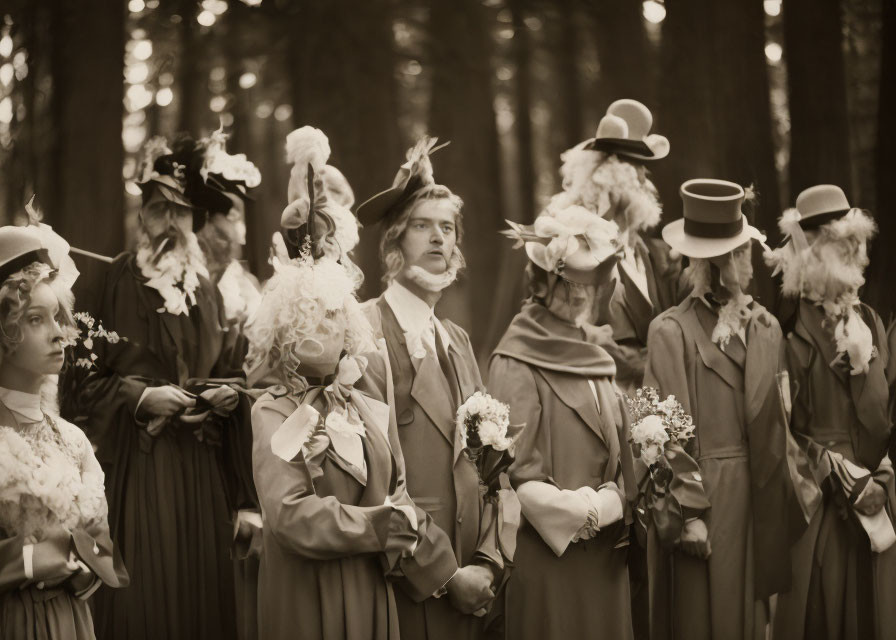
625,131
713,223
821,204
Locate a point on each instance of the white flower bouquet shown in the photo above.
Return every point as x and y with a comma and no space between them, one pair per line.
659,427
487,435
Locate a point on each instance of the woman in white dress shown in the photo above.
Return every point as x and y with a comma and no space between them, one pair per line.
55,549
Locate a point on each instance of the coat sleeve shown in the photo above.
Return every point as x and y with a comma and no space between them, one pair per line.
313,526
432,564
558,515
666,372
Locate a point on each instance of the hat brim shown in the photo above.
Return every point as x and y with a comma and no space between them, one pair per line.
653,147
168,192
536,253
697,247
377,207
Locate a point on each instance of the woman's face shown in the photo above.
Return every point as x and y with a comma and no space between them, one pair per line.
41,350
320,356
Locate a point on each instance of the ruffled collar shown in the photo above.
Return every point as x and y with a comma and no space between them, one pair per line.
25,406
175,276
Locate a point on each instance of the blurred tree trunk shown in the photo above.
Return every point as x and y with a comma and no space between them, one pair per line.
816,82
506,297
623,52
462,111
88,198
191,77
715,108
571,90
348,90
883,258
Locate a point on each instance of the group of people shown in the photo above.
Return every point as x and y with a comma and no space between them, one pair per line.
222,458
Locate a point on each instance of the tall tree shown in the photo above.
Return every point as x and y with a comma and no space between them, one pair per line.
883,258
714,107
88,65
506,297
343,82
623,51
462,110
816,82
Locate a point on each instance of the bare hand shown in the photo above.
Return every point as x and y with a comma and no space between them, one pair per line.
872,499
471,589
224,399
695,539
166,401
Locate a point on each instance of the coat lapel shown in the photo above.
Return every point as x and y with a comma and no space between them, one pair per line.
465,385
575,393
810,326
638,308
760,361
700,324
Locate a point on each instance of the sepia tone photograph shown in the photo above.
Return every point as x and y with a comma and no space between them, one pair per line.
447,319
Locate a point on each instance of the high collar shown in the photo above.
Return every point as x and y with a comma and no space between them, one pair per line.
25,406
413,315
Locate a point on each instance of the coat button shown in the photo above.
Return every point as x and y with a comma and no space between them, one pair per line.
460,519
41,584
96,548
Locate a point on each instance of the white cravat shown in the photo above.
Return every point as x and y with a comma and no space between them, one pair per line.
416,319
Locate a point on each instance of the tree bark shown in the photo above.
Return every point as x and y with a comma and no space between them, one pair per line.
462,111
623,52
714,108
88,199
816,82
352,98
883,259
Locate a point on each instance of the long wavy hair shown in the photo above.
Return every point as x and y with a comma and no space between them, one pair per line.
390,240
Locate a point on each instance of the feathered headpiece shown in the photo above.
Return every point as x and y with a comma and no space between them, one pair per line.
232,173
308,150
412,176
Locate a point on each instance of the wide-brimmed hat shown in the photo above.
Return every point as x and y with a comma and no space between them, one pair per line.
713,223
821,204
19,247
625,131
572,242
412,176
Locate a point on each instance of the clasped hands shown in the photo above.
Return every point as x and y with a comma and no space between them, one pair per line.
471,590
169,400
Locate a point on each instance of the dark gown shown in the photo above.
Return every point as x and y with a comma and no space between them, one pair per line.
172,496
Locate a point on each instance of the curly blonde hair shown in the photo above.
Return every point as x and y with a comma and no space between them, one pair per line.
15,296
390,240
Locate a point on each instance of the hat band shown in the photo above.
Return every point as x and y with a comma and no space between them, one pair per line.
620,145
19,263
813,222
713,229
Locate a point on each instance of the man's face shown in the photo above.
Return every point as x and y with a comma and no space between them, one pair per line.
161,217
430,236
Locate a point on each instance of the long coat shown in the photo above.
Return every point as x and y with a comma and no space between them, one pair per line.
740,447
440,479
326,541
841,589
570,440
171,496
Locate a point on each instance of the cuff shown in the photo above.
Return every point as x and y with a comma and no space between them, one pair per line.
145,418
444,588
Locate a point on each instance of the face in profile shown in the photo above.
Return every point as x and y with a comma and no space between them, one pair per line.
234,222
165,219
429,239
41,350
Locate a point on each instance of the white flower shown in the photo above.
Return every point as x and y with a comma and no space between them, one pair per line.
491,434
650,434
